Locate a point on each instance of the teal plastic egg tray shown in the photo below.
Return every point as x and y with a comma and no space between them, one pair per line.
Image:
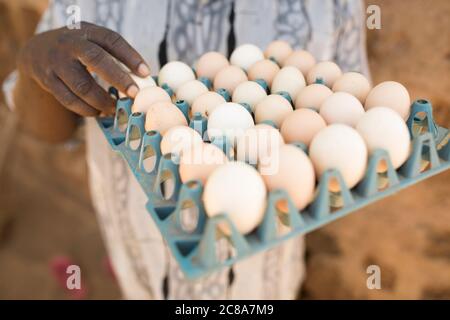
194,244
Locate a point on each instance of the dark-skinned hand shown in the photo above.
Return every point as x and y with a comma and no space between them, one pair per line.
59,60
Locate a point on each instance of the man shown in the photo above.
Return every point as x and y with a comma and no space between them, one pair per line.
53,89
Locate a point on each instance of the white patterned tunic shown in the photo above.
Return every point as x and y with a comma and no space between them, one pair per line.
329,29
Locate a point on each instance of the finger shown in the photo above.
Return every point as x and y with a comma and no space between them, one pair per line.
69,100
80,82
116,45
103,64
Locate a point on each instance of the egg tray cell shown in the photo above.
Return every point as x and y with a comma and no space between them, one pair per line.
194,245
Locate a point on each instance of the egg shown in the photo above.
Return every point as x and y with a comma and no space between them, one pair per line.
178,138
312,96
301,126
302,60
354,83
246,55
143,82
206,103
249,92
163,115
174,74
199,160
263,69
278,50
257,143
190,90
390,94
290,80
229,78
210,64
148,96
327,71
237,190
383,128
293,172
339,147
274,108
341,107
230,120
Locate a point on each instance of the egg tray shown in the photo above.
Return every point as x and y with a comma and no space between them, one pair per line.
195,246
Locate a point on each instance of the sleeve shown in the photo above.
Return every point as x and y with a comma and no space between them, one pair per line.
47,22
350,46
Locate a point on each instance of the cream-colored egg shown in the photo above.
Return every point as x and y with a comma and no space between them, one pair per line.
206,103
263,69
302,60
341,107
278,50
257,144
339,147
148,96
163,115
210,64
245,55
383,128
293,172
312,96
199,161
143,82
354,83
301,126
327,71
178,138
390,94
230,120
289,79
274,108
249,92
190,90
229,78
175,74
237,190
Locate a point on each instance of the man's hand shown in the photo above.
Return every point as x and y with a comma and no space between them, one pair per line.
59,60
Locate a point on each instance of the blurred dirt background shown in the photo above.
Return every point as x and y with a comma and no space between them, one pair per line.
45,209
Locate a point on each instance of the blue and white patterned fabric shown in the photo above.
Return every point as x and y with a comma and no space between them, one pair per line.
329,29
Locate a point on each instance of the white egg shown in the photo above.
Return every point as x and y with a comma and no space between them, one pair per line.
354,83
178,138
383,128
245,55
206,103
230,120
237,190
339,147
174,74
199,160
390,94
273,108
288,79
148,96
341,107
327,71
257,144
190,90
290,169
312,96
249,92
143,82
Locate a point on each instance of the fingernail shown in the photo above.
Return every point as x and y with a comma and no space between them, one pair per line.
143,70
132,91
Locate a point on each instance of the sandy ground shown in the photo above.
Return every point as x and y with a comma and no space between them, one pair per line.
45,208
